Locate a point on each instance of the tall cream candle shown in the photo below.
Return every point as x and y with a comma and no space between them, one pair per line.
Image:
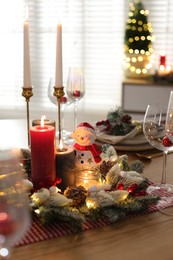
58,74
27,72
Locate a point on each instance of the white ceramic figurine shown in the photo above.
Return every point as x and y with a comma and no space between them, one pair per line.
87,152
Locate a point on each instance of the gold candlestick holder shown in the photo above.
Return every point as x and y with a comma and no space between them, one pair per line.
27,94
59,92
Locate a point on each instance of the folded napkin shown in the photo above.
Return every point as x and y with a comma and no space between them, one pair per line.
112,139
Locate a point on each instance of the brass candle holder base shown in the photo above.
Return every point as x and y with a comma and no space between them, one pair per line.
59,92
27,94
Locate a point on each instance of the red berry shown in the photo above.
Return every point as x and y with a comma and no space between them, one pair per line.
142,192
98,123
166,141
120,186
132,188
134,185
107,122
108,127
58,180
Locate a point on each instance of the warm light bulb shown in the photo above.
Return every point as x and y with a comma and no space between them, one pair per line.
140,58
127,59
134,59
37,211
136,38
144,71
90,204
140,22
132,68
138,71
149,66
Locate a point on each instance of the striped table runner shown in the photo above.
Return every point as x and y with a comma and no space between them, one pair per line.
39,232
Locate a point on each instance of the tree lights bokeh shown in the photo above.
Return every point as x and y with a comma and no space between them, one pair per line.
138,42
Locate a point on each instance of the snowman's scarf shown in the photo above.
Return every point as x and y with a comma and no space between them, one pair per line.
93,148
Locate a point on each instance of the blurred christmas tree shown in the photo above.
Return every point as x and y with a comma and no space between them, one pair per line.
138,41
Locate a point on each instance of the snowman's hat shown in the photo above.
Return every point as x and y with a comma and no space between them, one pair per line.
86,125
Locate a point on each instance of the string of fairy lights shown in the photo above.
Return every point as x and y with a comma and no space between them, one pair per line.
138,40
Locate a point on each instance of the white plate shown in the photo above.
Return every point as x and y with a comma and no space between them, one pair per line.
115,139
138,139
137,148
133,146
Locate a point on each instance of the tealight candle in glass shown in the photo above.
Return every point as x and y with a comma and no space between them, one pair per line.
87,178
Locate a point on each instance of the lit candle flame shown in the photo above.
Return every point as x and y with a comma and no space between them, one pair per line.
42,120
61,146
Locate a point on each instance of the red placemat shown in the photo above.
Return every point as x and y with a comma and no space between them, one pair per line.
39,232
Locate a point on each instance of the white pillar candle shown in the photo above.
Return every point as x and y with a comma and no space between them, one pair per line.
58,74
27,72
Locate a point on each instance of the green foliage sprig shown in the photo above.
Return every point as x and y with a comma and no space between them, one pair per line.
117,123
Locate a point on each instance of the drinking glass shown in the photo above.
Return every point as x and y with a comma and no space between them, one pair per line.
64,102
155,130
169,117
75,88
14,206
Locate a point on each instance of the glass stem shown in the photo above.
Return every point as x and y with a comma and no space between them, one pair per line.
75,113
164,170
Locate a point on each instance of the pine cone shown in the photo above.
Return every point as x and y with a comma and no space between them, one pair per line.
77,193
126,119
105,167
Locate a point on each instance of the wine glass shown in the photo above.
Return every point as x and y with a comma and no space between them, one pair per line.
64,101
155,131
14,206
75,88
169,117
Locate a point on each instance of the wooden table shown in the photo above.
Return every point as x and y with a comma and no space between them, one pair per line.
148,236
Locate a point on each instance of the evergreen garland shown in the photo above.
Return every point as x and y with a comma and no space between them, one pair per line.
117,123
122,194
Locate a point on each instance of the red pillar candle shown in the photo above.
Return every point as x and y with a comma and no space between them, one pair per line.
163,60
43,173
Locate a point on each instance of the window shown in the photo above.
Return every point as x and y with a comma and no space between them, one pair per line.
93,34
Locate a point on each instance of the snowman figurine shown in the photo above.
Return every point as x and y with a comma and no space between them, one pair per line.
87,152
